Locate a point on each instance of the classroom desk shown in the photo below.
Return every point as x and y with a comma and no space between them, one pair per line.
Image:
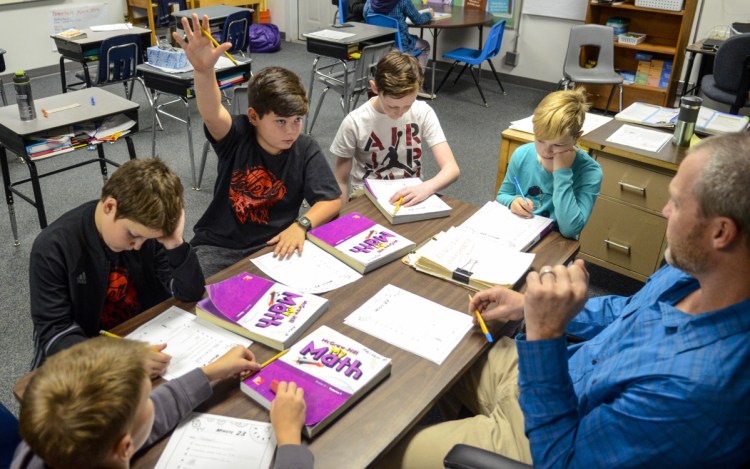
626,232
383,416
233,3
15,135
216,13
338,49
86,50
706,65
180,85
460,18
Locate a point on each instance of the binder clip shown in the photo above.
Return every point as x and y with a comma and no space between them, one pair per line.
463,274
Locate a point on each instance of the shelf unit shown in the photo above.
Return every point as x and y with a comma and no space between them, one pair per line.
667,36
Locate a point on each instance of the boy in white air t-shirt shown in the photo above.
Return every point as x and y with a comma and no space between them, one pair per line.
383,137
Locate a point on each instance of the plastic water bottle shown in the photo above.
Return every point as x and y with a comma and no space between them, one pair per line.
22,84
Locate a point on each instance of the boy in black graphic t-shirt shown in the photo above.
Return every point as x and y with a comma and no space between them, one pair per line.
109,259
265,168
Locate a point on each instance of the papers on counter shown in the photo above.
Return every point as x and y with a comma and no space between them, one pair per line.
592,122
315,271
205,441
640,138
112,27
329,34
413,323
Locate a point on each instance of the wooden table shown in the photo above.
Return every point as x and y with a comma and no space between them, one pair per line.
16,134
375,423
86,50
460,18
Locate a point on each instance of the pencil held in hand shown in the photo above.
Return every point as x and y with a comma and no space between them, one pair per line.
482,325
216,44
398,205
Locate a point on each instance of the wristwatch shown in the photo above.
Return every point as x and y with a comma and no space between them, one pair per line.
305,223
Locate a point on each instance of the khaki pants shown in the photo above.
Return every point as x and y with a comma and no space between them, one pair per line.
490,391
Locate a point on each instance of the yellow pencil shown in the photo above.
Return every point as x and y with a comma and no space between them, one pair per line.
482,325
109,334
216,44
264,364
398,205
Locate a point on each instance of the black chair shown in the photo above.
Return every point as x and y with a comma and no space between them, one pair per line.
163,11
9,437
470,457
2,69
730,81
235,31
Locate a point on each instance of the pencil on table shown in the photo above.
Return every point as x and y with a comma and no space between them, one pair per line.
216,44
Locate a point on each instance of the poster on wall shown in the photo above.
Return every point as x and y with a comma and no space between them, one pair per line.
77,17
504,9
562,9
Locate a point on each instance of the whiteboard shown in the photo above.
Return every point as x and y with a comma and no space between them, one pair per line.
77,17
563,9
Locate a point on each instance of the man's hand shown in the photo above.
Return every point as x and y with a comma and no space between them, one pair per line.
412,195
236,362
174,239
554,296
288,413
497,303
198,48
289,240
522,207
156,361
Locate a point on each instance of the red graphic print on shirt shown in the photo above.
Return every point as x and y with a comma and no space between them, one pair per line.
121,302
253,192
382,166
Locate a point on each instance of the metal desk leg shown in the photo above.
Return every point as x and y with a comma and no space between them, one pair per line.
688,72
62,75
435,34
131,147
38,200
310,90
102,162
154,109
190,142
8,194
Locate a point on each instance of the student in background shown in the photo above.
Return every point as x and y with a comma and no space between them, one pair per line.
266,169
110,259
645,388
382,139
555,178
402,9
92,405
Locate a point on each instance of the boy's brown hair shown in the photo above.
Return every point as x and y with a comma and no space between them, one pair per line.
398,75
560,114
147,192
277,90
82,401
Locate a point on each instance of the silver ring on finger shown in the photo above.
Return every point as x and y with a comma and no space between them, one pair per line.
546,271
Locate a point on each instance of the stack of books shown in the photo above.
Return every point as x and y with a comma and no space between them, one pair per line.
380,191
53,146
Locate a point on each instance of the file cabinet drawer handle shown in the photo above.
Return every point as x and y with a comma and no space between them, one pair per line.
619,246
624,186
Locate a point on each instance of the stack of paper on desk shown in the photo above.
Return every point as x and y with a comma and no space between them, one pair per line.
709,121
592,122
379,191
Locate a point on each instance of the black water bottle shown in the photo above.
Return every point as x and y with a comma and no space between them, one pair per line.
22,84
690,106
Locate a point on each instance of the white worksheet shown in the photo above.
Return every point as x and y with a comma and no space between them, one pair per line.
191,341
411,322
329,34
315,271
640,138
206,441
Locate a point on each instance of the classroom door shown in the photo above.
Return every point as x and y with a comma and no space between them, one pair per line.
314,15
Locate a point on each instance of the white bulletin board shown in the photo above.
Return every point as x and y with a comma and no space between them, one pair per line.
563,9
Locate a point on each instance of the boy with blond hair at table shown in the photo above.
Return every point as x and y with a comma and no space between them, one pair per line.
92,405
552,177
382,139
265,167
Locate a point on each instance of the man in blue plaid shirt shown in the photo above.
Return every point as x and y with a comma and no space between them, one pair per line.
662,378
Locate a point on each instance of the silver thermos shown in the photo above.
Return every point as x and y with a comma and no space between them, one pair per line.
683,129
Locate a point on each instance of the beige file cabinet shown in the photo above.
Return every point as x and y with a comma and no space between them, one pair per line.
626,231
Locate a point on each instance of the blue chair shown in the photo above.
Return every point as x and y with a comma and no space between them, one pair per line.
386,21
730,81
235,31
343,8
118,58
474,57
9,436
2,69
163,11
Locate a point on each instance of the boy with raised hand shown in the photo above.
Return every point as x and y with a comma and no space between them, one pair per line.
110,259
92,406
265,168
382,139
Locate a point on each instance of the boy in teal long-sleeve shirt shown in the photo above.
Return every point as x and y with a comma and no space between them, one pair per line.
558,180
